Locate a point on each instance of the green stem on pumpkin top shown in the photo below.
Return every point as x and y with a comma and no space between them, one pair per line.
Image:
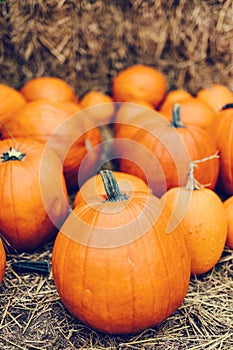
112,189
12,154
176,121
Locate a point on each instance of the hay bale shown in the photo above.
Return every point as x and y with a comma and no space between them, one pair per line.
89,41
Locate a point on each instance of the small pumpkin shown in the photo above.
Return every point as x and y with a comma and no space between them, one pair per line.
94,186
11,101
160,153
114,265
224,127
34,200
50,88
100,106
139,82
174,96
67,130
228,205
202,214
2,261
216,95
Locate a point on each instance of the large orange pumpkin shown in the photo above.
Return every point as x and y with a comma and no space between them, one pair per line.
139,82
215,95
228,205
114,265
224,129
2,261
161,151
33,196
10,102
202,214
68,131
94,186
48,87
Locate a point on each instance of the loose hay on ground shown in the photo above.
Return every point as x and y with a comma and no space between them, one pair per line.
33,317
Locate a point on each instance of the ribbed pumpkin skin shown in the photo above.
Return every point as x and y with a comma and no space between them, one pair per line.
48,87
228,205
11,101
160,155
41,119
94,186
224,128
33,196
2,261
215,95
127,287
204,220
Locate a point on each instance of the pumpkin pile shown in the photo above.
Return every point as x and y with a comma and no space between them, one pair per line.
126,239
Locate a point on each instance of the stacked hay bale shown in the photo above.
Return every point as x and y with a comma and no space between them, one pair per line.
87,42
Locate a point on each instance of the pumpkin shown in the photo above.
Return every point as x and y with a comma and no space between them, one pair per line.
160,152
174,96
11,101
33,196
202,214
48,87
114,265
215,95
228,205
2,261
100,106
195,112
224,127
139,82
94,186
66,129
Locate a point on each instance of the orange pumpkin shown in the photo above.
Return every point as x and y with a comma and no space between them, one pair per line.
48,87
160,153
114,265
33,197
228,205
11,101
194,112
174,96
224,127
216,96
94,186
128,111
139,82
2,261
202,214
100,106
67,129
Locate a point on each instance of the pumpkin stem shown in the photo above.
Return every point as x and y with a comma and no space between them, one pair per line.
12,154
112,189
227,106
192,183
176,121
8,132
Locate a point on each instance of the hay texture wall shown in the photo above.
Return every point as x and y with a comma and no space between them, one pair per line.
86,42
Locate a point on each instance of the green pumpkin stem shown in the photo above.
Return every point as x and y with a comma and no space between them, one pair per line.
112,189
12,154
176,120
